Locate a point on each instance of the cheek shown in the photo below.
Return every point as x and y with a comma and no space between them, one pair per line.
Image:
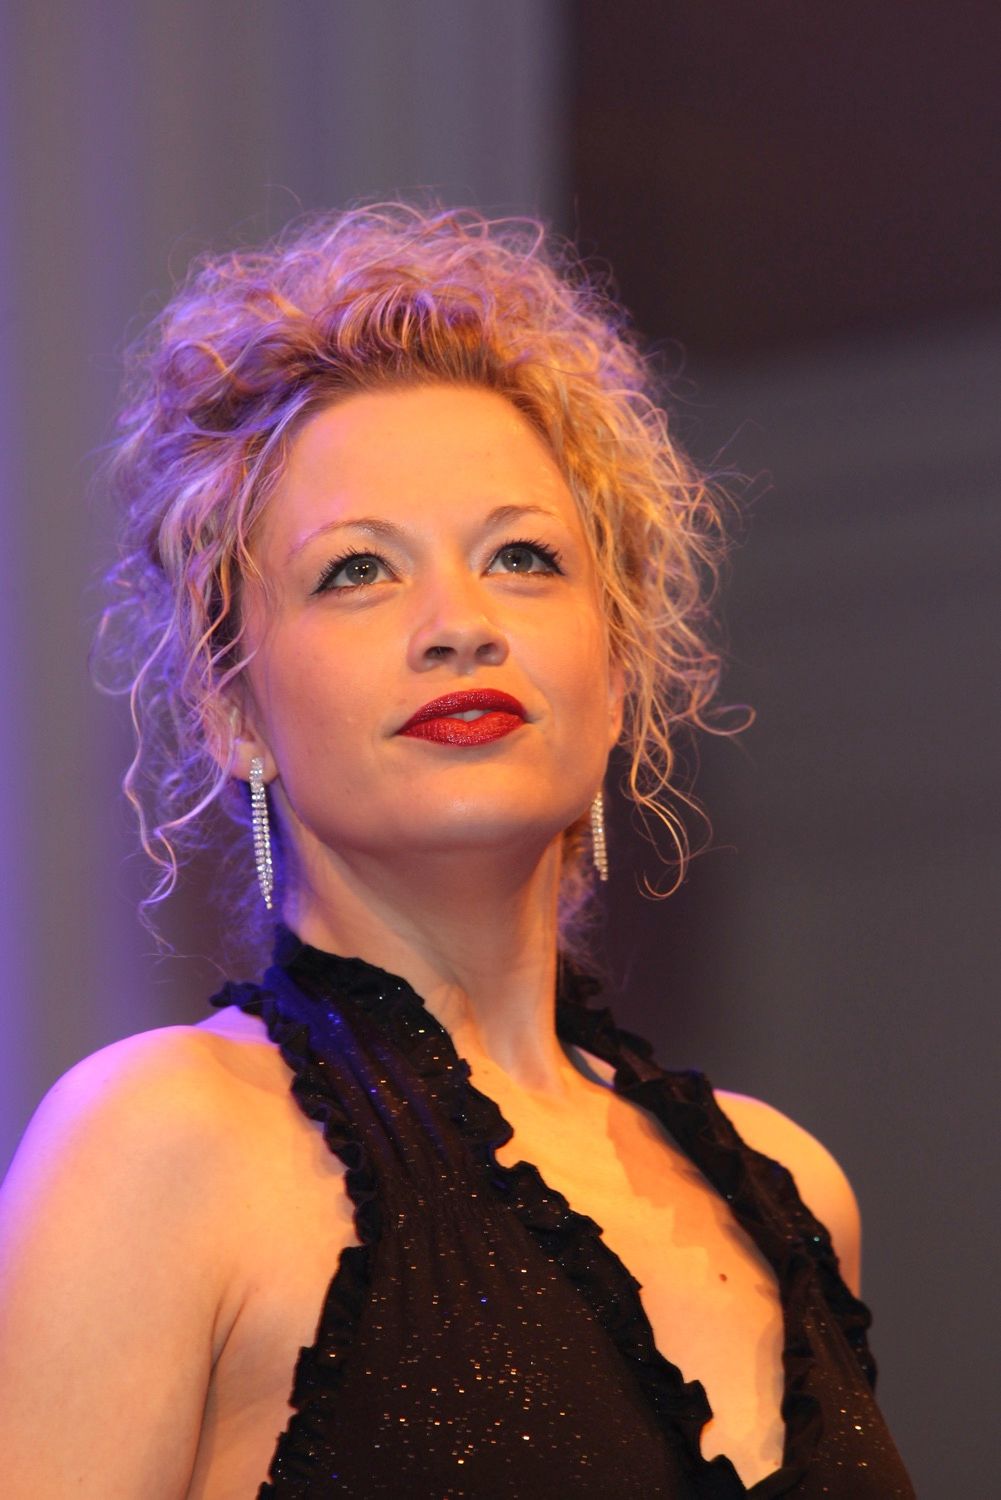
579,658
307,702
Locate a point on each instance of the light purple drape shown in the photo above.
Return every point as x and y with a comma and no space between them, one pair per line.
134,136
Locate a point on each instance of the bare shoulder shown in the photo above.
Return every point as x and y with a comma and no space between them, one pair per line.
117,1239
161,1089
150,1128
821,1181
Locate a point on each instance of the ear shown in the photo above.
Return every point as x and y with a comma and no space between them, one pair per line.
616,701
233,739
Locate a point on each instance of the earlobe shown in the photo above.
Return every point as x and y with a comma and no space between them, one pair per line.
247,747
616,701
246,750
233,744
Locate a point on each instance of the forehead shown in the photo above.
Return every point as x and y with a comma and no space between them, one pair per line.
422,455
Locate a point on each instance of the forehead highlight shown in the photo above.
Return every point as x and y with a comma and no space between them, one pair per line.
362,461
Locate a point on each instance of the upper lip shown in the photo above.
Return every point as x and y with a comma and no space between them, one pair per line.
460,703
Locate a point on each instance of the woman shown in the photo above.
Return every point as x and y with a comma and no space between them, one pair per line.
409,550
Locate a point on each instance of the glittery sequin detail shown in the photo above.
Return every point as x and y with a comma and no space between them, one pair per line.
482,1340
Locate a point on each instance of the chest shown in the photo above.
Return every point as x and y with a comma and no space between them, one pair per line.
710,1296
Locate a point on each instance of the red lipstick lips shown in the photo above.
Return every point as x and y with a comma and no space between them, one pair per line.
497,714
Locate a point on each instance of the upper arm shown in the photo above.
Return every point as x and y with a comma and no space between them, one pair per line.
109,1282
822,1183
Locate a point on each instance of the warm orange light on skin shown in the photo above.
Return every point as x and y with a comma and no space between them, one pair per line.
435,481
376,526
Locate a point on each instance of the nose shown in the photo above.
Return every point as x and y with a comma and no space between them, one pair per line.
455,627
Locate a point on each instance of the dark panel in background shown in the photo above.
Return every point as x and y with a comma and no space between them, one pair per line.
768,174
800,206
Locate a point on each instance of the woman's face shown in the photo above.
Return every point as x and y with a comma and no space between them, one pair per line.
422,543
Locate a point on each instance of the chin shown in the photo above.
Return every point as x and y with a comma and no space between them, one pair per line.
472,831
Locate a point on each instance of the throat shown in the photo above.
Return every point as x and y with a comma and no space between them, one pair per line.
540,1085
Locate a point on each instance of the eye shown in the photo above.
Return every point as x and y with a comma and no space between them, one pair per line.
526,557
353,570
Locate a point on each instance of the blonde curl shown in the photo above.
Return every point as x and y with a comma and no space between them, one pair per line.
391,294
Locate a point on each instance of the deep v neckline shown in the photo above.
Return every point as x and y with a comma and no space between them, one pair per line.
574,1188
792,1242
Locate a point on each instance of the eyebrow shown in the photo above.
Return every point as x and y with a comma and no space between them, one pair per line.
499,516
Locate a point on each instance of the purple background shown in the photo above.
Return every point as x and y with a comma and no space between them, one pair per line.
800,206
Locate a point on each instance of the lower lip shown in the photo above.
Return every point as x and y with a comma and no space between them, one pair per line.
491,726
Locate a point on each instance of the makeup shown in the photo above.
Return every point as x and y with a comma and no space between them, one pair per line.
491,716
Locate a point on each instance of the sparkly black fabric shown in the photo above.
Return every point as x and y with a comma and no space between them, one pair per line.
482,1340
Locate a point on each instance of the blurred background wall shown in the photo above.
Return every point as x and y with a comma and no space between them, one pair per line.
799,206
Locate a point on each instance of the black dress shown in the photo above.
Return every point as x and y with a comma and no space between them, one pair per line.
482,1340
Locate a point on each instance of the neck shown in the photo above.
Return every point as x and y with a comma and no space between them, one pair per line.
476,937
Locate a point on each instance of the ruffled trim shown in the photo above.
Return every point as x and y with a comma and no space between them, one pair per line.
319,1368
760,1192
571,1239
763,1197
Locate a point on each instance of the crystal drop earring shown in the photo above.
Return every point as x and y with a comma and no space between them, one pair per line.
261,830
598,845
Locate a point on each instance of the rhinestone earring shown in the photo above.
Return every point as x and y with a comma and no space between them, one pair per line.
262,832
598,845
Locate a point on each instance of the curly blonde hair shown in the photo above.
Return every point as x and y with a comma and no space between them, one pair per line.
375,297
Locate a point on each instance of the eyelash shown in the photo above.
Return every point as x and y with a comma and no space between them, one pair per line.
550,555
